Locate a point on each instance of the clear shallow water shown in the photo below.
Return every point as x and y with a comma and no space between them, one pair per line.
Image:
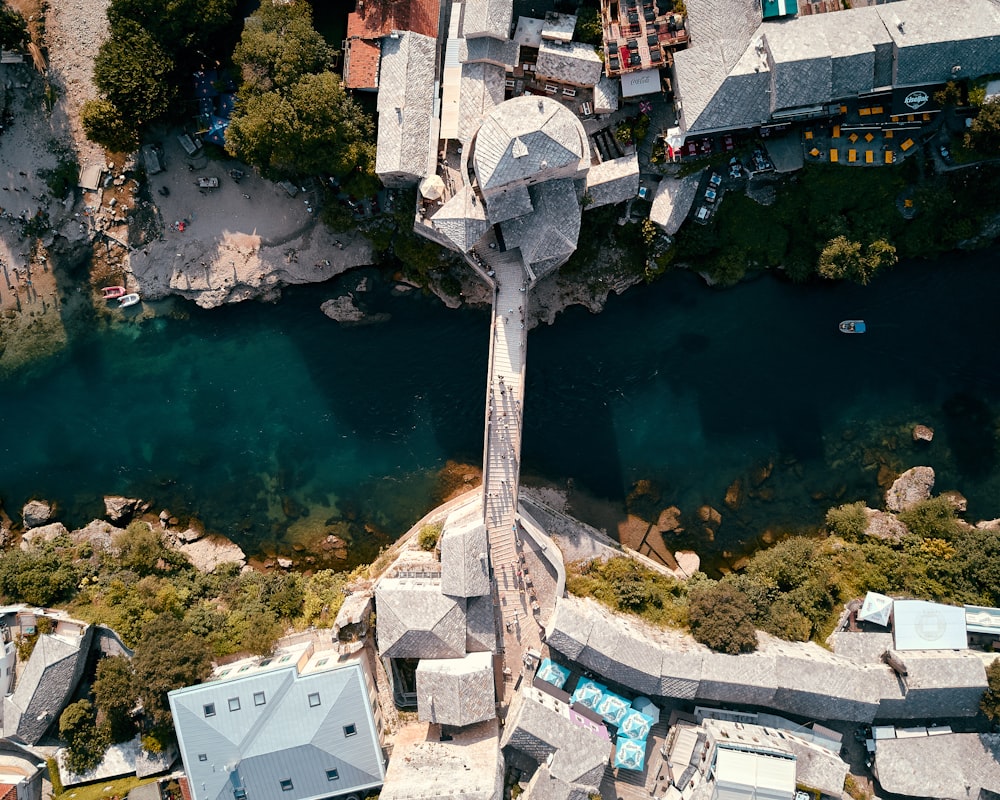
270,422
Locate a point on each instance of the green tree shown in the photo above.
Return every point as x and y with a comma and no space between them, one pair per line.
141,549
176,25
115,695
85,741
984,135
135,74
843,258
324,595
107,126
168,657
720,617
990,704
13,29
588,26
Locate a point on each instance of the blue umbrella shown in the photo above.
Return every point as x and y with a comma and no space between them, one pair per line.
553,673
630,754
613,708
636,725
589,693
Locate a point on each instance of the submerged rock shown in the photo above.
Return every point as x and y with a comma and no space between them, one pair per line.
734,495
35,513
923,433
910,488
670,520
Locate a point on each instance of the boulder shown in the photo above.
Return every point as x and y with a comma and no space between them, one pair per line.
210,551
957,500
285,563
923,433
99,534
910,488
882,525
688,562
35,513
121,509
189,535
989,525
334,545
343,309
43,533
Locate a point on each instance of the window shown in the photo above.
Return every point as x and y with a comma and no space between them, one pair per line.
322,662
266,661
259,699
244,668
286,785
239,793
209,709
224,673
313,699
332,775
234,704
283,659
203,756
350,730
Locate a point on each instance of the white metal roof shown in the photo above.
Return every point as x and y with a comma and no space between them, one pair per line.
742,774
645,81
919,625
877,608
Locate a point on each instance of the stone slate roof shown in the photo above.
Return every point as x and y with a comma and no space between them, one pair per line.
528,137
278,725
416,621
546,786
606,95
487,18
480,631
464,553
407,129
469,766
462,219
613,181
548,236
570,62
672,201
538,726
45,685
503,53
948,767
456,691
482,90
932,42
508,203
923,697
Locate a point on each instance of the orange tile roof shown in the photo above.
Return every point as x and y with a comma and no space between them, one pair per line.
8,791
185,789
362,64
373,19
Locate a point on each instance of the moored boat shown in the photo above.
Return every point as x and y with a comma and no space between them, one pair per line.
853,326
111,292
128,300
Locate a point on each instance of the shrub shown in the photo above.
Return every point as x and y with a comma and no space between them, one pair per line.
720,617
990,704
848,520
933,518
104,124
428,536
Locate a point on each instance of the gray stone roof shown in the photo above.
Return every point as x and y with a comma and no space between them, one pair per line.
487,18
492,51
938,686
741,99
613,181
469,766
570,62
547,237
672,201
558,27
462,219
407,128
528,137
415,620
482,90
480,632
538,726
276,725
606,95
508,203
931,42
456,691
464,553
948,767
45,685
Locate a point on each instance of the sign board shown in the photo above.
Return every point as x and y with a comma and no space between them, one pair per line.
645,81
913,100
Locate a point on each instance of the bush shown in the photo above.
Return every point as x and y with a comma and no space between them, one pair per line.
990,704
104,124
428,536
848,520
933,518
720,616
86,741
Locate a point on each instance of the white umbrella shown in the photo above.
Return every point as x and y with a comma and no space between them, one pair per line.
432,187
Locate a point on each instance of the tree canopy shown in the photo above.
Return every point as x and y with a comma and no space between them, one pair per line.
179,26
720,617
844,258
13,29
984,135
168,657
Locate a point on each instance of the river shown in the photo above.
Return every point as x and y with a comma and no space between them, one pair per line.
271,422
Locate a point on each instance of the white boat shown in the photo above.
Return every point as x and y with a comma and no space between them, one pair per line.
853,326
128,300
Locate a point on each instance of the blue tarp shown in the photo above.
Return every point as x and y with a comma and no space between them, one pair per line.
589,693
635,725
216,134
613,708
227,104
204,83
630,754
553,673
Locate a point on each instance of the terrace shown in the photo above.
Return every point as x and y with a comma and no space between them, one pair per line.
639,34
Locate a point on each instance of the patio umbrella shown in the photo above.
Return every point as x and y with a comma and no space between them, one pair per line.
635,725
432,187
630,754
646,706
613,708
589,694
553,673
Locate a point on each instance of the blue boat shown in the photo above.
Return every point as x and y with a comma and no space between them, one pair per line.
853,326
